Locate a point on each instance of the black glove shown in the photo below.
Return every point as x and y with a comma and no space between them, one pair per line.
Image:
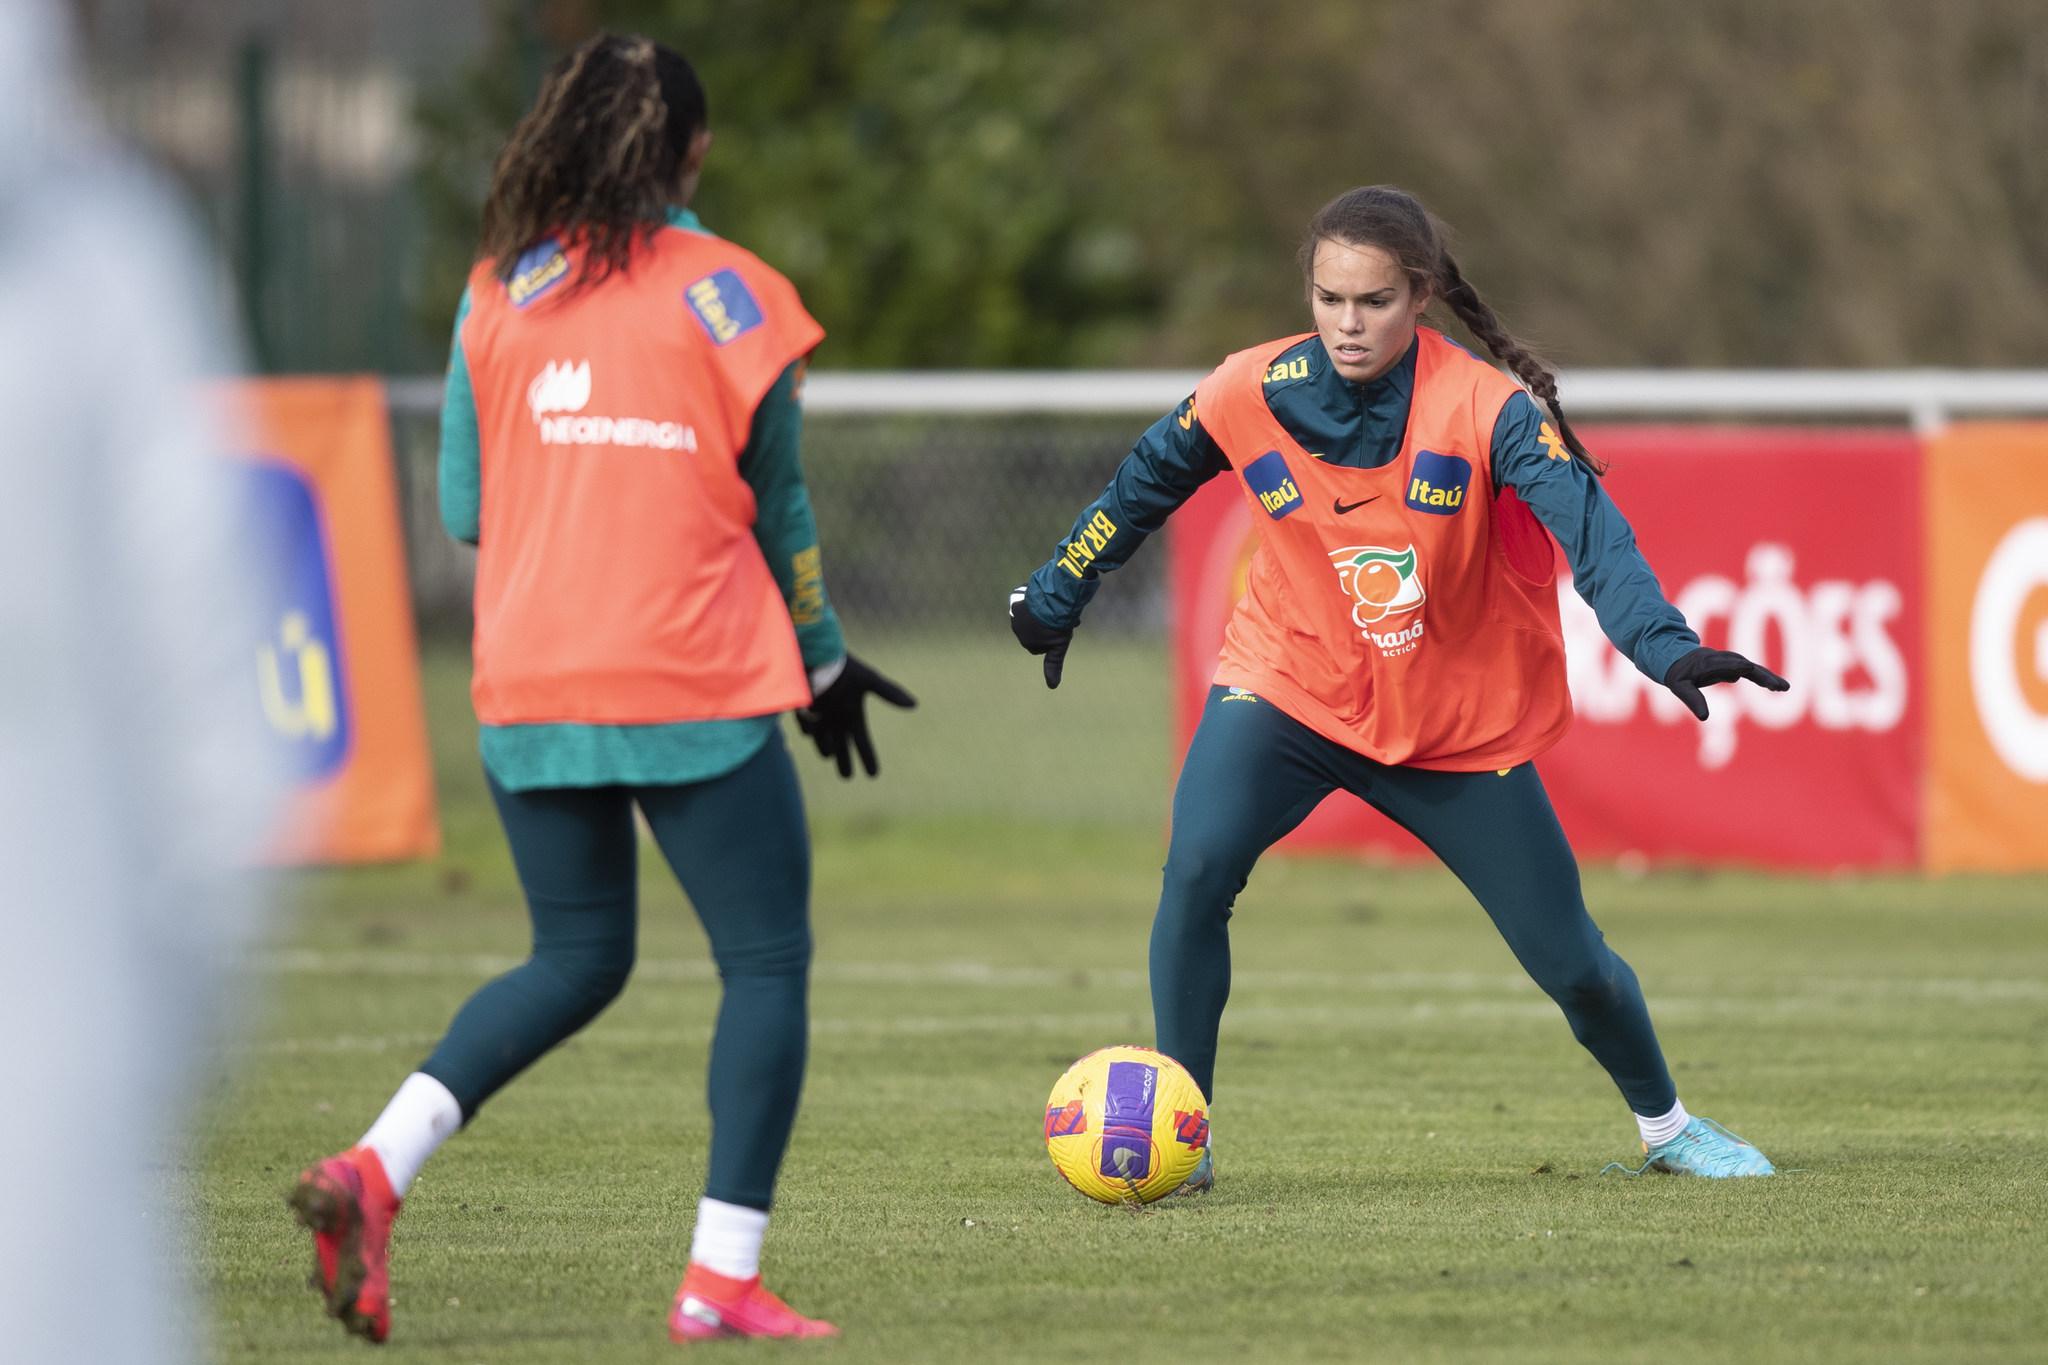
836,721
1704,667
1039,638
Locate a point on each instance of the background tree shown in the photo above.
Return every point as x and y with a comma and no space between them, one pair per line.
1732,182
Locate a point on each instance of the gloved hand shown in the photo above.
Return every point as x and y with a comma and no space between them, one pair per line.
1704,667
837,722
1039,637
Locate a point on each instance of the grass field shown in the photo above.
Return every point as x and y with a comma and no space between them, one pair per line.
1409,1141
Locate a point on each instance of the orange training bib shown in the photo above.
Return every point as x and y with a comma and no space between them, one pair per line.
1407,612
618,579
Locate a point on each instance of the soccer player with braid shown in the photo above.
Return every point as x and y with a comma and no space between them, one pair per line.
619,440
1398,637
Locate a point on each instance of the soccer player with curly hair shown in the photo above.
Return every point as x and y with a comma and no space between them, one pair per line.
619,440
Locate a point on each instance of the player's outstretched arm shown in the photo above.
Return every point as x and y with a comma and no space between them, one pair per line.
1608,570
1171,460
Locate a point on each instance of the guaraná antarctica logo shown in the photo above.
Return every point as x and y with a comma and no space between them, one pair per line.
1382,583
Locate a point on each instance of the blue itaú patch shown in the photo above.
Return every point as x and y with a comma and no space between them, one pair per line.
542,268
724,304
1269,478
299,678
1437,483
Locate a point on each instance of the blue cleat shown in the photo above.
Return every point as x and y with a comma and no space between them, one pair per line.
1703,1148
1204,1177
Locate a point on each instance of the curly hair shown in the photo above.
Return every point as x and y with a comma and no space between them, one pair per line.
1395,221
598,158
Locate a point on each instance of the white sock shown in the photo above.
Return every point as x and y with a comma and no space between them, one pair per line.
1662,1128
728,1238
421,1116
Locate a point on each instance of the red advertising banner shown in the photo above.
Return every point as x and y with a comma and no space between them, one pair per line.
335,667
1797,547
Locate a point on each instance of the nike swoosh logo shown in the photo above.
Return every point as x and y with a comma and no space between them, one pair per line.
1343,506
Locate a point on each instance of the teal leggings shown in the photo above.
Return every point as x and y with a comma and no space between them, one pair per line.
737,844
1254,773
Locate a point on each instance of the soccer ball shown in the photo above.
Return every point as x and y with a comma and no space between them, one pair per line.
1126,1125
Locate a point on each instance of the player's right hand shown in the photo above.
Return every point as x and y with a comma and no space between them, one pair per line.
1039,637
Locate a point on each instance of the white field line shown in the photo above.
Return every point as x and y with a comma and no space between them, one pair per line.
1118,1022
379,962
1354,1017
1750,991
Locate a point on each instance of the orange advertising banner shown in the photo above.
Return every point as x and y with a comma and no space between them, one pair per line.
334,661
1987,641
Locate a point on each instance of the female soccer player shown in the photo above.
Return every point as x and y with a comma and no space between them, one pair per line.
619,440
1399,635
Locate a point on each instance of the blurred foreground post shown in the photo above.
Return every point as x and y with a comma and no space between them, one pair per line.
132,774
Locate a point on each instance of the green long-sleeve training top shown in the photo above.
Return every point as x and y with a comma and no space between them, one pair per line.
1361,425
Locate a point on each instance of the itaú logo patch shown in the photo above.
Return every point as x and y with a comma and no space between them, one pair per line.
535,273
1383,584
724,306
1438,482
1273,484
560,392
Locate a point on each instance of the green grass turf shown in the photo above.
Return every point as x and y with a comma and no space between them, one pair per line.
1410,1141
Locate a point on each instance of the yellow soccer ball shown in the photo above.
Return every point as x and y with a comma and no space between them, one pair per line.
1126,1124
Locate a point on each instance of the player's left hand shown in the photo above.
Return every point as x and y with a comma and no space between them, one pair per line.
837,721
1704,667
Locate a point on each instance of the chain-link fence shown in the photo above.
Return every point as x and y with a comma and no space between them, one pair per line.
927,520
937,494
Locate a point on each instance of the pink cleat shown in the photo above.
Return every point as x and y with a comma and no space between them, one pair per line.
347,1203
710,1305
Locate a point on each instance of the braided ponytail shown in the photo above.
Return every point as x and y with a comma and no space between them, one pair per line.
1483,323
599,156
1396,222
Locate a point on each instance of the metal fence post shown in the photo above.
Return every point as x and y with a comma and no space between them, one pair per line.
252,91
